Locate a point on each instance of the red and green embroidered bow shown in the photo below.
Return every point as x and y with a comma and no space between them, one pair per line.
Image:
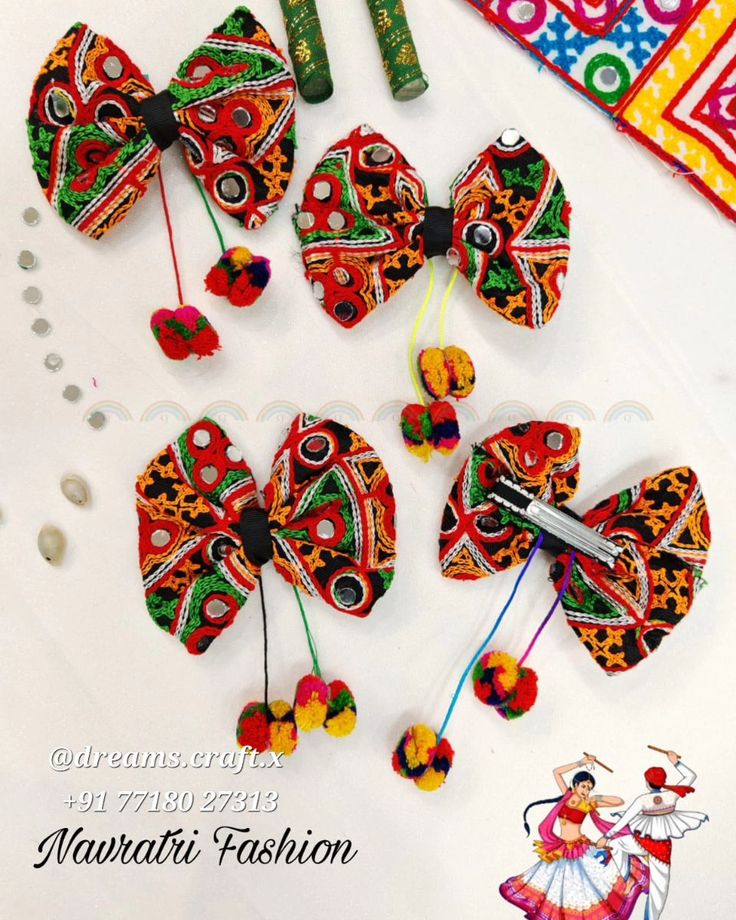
96,129
328,526
635,574
365,228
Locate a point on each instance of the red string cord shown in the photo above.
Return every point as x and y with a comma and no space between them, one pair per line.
170,231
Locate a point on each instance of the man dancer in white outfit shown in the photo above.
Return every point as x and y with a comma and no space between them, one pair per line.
654,821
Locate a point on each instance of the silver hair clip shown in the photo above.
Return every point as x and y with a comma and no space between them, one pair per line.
558,524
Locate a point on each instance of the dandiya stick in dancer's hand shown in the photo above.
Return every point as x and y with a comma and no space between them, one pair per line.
595,760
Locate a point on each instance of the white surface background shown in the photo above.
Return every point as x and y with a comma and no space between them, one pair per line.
647,321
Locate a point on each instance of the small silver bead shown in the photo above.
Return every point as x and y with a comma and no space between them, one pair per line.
41,326
342,276
32,295
200,72
60,105
113,67
322,190
233,454
71,393
97,420
31,217
453,257
26,259
318,289
530,458
336,221
53,362
554,440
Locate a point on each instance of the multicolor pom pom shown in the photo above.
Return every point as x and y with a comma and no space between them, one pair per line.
447,372
184,332
310,703
428,428
268,728
421,758
499,681
342,713
321,705
239,275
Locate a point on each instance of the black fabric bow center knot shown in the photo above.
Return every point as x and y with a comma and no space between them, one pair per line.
158,116
255,532
437,229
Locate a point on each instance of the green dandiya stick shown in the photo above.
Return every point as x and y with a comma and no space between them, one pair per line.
400,58
307,49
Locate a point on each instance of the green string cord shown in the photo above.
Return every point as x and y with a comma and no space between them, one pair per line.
310,638
207,205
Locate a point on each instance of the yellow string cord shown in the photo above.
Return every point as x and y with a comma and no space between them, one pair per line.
415,333
445,303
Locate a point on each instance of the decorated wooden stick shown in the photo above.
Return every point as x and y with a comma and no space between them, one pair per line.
307,49
400,58
595,760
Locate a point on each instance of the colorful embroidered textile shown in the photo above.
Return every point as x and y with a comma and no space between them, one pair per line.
664,70
659,527
96,129
365,228
399,53
328,525
307,49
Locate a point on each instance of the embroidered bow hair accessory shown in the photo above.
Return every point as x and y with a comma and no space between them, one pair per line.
97,131
626,572
326,523
366,227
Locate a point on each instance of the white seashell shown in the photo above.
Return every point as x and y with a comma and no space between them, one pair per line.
75,489
51,544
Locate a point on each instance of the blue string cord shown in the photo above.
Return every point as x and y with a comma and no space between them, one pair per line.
488,638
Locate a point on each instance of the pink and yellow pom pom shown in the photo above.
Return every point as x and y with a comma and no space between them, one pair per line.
429,428
310,703
499,681
421,758
184,332
239,275
268,728
447,372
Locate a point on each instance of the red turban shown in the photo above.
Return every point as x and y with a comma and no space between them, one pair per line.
657,778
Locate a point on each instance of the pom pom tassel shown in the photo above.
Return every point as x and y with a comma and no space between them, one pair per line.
499,681
447,372
321,705
239,275
268,728
429,428
419,757
184,332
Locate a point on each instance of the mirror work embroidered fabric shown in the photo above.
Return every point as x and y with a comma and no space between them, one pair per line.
664,70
